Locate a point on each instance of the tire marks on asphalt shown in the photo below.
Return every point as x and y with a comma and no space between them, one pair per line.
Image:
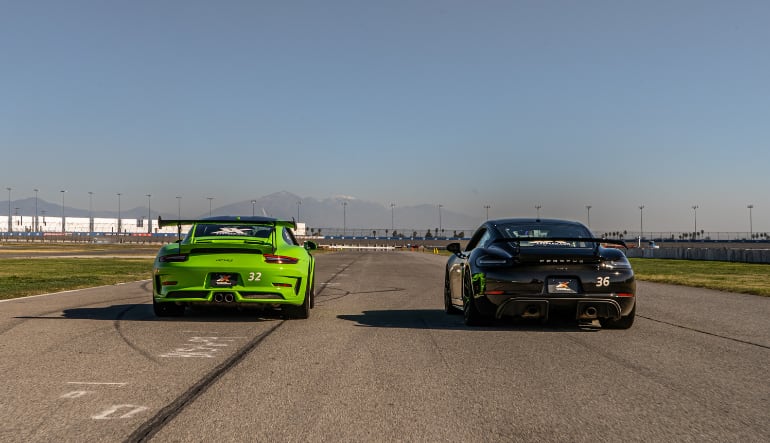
152,426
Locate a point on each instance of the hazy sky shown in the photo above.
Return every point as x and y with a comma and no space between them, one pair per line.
510,104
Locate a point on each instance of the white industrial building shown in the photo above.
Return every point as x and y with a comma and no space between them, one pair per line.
47,224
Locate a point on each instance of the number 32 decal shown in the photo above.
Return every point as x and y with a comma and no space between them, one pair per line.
255,276
602,281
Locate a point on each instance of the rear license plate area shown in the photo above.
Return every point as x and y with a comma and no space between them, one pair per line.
563,286
224,280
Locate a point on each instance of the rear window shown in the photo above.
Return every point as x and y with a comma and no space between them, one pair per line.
553,235
229,230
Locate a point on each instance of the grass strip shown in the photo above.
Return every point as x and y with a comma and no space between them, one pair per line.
22,277
745,278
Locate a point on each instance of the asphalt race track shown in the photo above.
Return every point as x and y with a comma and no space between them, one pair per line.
379,361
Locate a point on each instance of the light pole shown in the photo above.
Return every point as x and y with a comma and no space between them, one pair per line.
392,225
210,199
344,217
63,221
36,223
751,225
537,207
253,202
299,203
10,224
641,223
119,224
149,215
439,219
178,207
90,212
588,213
487,208
695,215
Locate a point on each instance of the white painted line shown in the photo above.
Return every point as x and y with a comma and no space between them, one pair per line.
75,394
106,414
70,291
95,383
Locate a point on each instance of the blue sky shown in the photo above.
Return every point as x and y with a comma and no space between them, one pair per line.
511,104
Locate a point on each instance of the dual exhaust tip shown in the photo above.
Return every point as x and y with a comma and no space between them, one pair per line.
224,297
534,311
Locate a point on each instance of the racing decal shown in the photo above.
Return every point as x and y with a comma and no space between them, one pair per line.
479,283
233,230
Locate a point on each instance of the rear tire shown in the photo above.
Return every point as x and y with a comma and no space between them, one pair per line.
302,311
471,314
448,306
167,309
622,323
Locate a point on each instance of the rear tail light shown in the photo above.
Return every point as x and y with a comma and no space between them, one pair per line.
624,294
174,258
280,259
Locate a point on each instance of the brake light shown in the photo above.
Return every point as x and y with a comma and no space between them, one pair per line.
174,258
280,259
624,294
494,293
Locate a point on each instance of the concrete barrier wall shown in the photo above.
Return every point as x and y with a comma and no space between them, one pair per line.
714,254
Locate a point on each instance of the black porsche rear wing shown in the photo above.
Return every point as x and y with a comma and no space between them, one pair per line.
558,249
557,241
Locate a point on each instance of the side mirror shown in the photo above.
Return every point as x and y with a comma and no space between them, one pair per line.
454,248
310,246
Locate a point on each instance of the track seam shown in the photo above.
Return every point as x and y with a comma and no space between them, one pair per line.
745,342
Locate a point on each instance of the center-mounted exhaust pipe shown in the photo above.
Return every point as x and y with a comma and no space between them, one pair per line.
591,312
226,297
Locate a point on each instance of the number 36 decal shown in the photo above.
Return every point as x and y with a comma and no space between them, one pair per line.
602,281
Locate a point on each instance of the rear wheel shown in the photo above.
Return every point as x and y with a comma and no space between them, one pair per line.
471,314
448,306
167,309
622,323
301,311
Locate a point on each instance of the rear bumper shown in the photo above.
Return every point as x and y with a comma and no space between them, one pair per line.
584,307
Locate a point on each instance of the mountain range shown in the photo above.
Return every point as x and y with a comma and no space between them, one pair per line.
332,212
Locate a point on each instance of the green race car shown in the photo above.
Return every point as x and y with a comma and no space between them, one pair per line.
234,261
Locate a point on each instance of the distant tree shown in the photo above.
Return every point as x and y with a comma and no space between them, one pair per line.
460,234
414,234
374,233
428,234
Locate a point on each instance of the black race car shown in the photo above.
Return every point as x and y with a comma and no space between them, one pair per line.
532,268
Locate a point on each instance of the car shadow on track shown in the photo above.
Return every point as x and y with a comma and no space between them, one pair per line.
438,319
143,312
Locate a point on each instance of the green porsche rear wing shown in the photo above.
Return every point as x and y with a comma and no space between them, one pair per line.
235,220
